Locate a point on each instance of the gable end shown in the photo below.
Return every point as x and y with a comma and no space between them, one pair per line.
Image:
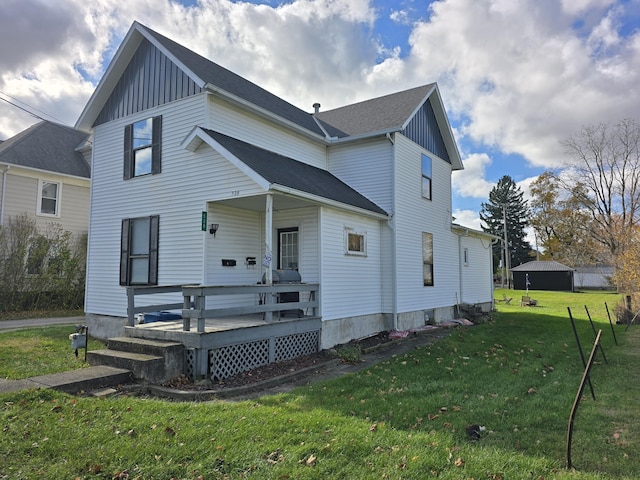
423,129
150,79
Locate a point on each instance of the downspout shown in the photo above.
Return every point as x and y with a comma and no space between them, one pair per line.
394,243
4,189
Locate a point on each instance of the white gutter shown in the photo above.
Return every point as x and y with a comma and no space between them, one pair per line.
4,189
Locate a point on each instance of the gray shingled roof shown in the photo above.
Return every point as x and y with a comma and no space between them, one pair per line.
47,146
386,113
382,114
542,266
291,173
228,81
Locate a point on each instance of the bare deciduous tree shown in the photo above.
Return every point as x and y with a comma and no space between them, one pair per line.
604,177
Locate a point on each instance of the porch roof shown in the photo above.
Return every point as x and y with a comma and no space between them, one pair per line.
277,169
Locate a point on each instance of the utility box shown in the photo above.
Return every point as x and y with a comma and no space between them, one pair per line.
78,340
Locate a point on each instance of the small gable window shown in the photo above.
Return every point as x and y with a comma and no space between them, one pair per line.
426,177
49,198
139,251
142,147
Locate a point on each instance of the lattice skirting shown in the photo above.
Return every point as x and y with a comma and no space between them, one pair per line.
227,361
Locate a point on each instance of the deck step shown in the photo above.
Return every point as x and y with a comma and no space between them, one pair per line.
143,366
145,345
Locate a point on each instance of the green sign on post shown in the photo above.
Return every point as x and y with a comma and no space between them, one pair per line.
204,221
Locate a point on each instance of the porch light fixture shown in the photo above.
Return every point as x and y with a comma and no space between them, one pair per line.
213,228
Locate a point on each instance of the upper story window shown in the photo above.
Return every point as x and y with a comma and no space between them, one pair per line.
426,176
142,147
355,242
49,198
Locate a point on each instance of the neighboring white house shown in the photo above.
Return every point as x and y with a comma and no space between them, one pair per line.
356,199
45,174
597,277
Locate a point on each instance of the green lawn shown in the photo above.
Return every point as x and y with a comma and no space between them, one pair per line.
402,419
40,351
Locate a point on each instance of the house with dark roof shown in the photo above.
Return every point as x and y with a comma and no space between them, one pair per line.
543,275
45,172
204,180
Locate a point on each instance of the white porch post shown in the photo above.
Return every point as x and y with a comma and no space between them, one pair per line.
268,239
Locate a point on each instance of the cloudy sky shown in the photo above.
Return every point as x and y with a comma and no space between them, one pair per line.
516,76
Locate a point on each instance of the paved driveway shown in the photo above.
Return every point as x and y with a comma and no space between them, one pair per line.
39,322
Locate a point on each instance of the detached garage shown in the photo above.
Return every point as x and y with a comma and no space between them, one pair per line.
543,276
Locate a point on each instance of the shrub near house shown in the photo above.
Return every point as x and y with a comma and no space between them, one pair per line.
40,269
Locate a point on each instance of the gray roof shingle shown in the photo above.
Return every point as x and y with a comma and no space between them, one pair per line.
49,147
228,81
386,113
291,173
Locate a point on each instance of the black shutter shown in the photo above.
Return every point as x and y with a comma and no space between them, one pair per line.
156,151
124,252
128,151
154,230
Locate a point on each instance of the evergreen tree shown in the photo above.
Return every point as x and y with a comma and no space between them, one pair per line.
506,200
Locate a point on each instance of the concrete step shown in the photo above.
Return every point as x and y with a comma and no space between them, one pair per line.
146,346
82,379
143,366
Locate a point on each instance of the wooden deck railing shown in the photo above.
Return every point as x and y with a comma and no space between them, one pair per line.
266,300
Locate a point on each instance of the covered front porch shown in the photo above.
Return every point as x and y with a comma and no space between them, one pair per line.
228,340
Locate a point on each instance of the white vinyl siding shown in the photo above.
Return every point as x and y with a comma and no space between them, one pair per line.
414,216
366,167
231,121
172,195
475,278
351,285
21,196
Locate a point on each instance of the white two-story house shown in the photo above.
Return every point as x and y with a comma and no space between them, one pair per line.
200,177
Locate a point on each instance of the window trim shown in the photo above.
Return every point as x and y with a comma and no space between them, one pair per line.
125,247
428,177
41,184
156,148
354,231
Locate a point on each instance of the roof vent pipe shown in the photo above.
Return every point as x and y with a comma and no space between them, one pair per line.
316,107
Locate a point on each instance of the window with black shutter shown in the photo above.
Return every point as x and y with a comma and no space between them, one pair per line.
143,147
139,251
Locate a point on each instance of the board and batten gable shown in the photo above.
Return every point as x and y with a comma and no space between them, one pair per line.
413,216
249,127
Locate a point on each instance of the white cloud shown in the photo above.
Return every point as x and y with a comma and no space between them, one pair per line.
467,218
471,181
517,75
